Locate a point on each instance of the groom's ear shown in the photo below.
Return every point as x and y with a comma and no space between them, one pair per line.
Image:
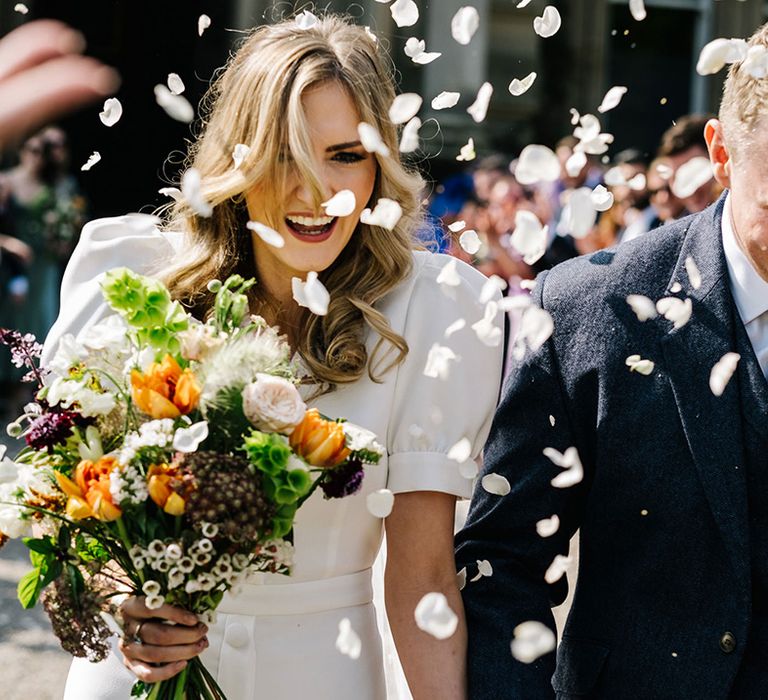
719,155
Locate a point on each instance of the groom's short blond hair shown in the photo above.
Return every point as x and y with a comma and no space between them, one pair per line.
745,100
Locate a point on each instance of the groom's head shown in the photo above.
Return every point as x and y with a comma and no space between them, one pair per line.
738,148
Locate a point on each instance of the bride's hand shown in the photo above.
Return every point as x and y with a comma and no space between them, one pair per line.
154,650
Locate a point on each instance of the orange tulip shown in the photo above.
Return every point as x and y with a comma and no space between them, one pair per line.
165,390
161,478
89,495
321,442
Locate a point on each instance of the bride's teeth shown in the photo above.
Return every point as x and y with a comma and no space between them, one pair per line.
310,221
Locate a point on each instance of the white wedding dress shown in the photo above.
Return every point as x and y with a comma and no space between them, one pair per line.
276,639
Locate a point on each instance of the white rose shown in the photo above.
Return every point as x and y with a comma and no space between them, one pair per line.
361,439
273,404
198,341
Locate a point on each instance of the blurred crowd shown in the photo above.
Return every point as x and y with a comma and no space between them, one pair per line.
487,200
41,213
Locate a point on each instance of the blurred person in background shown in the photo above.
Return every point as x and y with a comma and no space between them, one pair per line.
666,206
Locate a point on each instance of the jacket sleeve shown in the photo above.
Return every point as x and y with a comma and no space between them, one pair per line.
533,415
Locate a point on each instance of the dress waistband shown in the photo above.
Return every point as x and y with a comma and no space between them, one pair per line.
301,597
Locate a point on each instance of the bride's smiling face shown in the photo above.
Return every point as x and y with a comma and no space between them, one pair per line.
313,240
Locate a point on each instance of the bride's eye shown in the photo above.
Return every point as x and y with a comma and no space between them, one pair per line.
348,157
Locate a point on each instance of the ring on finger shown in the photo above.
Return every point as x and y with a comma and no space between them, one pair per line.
137,634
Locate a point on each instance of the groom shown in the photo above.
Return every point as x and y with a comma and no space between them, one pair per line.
672,594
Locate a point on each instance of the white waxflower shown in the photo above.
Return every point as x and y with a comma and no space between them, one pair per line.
186,565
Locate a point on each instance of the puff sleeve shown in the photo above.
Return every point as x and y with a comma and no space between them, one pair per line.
131,241
431,414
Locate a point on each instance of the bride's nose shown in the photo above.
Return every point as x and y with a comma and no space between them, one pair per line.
305,194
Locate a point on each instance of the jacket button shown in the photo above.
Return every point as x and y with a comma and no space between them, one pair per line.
236,635
728,642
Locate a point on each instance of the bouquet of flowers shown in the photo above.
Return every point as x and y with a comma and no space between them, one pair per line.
166,458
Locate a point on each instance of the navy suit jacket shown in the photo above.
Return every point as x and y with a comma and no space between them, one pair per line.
664,575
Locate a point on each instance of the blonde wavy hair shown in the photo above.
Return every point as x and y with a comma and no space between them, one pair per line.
256,101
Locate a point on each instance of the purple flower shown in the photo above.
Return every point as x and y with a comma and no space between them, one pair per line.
344,480
25,350
51,429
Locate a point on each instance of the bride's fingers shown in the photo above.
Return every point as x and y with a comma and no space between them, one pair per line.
162,634
137,653
155,674
134,607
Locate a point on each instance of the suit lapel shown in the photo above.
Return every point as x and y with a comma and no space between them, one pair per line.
712,424
753,387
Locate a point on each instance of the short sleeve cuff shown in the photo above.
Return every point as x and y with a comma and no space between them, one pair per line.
426,471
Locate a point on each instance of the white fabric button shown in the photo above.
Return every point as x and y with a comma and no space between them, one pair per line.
236,635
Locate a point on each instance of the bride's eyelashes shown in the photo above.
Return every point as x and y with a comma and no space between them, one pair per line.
348,157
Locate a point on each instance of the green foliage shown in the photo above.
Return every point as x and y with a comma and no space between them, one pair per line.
268,452
44,556
231,303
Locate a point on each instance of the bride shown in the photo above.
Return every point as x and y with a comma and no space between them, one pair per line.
295,96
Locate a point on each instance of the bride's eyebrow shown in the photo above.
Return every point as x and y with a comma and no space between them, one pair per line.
342,146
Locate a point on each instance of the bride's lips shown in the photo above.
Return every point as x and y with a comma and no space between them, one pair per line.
327,232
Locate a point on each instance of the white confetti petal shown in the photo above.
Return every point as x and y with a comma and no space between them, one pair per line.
548,24
479,108
434,616
191,189
203,22
591,139
602,198
496,484
176,106
173,192
449,275
386,214
188,439
639,365
676,310
343,203
614,177
548,526
612,98
456,226
112,112
404,12
467,152
638,182
380,503
404,107
529,237
532,640
427,57
536,326
637,9
455,327
461,451
445,100
664,171
267,234
756,62
438,361
311,294
575,163
348,641
579,214
517,87
691,175
409,141
722,372
551,420
414,46
676,287
537,164
694,274
94,158
575,116
240,153
470,241
306,20
718,52
557,568
371,139
486,329
643,307
568,460
484,568
461,579
175,83
464,24
491,288
21,8
469,469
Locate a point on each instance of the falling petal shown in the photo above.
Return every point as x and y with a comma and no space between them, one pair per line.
536,327
487,331
267,234
522,4
311,294
614,177
343,203
464,24
112,112
612,98
173,192
517,87
438,361
496,484
380,503
568,460
638,182
643,307
479,107
676,287
414,46
548,24
404,107
203,22
484,568
461,451
637,364
434,616
371,139
176,106
188,439
637,8
461,579
240,153
537,164
175,83
469,469
386,214
557,568
467,151
404,12
348,641
602,198
576,163
691,175
548,526
455,327
722,372
676,310
445,100
94,158
529,237
575,116
457,226
664,171
694,275
191,189
449,275
756,62
409,141
427,57
551,420
531,641
21,8
470,241
306,20
718,52
579,214
591,139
